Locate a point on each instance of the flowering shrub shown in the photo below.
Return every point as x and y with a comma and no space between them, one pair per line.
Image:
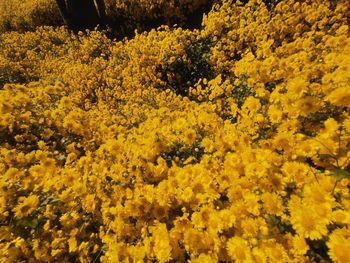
229,143
27,14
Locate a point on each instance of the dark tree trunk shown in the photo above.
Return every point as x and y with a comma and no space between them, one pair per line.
82,14
102,11
63,11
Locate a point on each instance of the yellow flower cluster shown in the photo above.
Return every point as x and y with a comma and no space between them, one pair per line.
27,14
228,143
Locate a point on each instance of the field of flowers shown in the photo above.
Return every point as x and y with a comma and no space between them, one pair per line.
228,143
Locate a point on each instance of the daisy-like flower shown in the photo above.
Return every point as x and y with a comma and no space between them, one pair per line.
272,203
239,249
162,248
308,224
340,96
26,206
341,216
203,258
307,105
339,245
275,114
300,247
276,253
346,125
2,205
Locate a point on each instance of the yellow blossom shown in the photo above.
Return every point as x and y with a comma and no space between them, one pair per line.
162,249
339,245
300,247
340,96
228,142
239,249
26,206
308,225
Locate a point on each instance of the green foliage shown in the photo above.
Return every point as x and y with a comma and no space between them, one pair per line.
185,71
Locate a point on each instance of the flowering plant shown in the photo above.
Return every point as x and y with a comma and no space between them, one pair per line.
228,143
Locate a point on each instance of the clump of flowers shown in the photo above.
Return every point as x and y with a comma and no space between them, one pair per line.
28,14
109,154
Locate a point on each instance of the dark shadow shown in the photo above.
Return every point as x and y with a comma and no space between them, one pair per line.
82,14
122,25
79,15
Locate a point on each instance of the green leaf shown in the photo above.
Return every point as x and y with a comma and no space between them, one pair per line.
340,174
27,222
33,223
272,220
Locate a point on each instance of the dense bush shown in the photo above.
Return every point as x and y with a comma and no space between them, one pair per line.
28,14
226,143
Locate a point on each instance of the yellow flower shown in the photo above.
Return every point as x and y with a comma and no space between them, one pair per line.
252,203
202,218
331,126
72,244
41,250
162,248
296,172
340,96
276,252
90,203
239,250
69,219
297,86
341,216
189,136
203,258
252,104
300,247
259,255
208,144
112,123
26,206
2,205
307,224
307,105
272,203
275,114
233,108
346,124
251,227
137,253
282,141
339,245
